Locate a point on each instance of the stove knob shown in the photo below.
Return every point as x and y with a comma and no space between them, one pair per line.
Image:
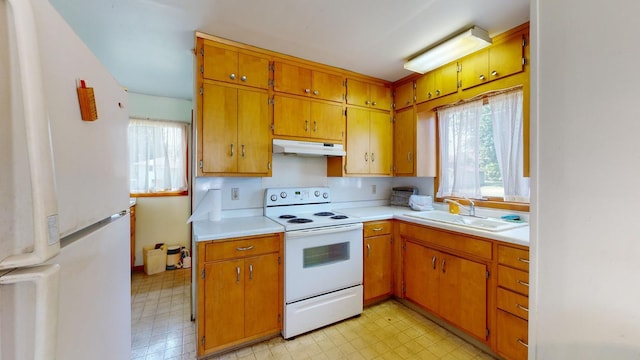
317,193
283,194
325,195
274,197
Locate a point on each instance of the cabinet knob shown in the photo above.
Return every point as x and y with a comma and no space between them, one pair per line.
429,95
307,91
306,125
242,146
373,103
481,77
408,102
243,78
409,156
315,126
366,157
368,250
373,157
494,73
367,102
232,76
231,149
437,92
316,92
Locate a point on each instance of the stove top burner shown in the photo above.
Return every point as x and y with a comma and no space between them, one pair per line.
324,213
300,221
339,217
287,216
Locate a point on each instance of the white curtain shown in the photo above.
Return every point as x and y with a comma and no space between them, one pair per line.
507,119
459,128
157,156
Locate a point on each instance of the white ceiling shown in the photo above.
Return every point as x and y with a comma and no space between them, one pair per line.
147,44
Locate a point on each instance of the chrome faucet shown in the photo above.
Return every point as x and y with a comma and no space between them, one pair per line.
472,206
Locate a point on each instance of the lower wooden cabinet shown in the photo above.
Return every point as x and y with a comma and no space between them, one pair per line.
449,286
512,302
512,336
132,233
239,291
377,252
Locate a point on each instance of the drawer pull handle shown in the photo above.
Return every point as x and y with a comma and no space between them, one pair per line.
245,248
522,307
526,261
522,283
433,262
377,229
522,343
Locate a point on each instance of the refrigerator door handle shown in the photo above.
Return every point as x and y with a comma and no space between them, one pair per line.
40,154
46,279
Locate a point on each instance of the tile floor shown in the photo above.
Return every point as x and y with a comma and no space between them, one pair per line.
161,329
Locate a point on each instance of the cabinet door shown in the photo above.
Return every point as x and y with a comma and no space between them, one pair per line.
446,79
219,128
261,303
254,132
421,275
474,69
380,143
223,298
220,63
425,87
380,96
358,93
327,86
463,291
253,70
291,116
505,58
291,79
377,266
403,141
404,95
327,121
357,141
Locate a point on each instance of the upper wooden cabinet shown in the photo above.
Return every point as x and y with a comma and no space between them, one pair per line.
439,82
225,63
404,95
298,80
404,139
366,94
369,142
296,117
502,59
234,134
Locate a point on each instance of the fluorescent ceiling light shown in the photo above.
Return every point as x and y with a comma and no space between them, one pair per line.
456,47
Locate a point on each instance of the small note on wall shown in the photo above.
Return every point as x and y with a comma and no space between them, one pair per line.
87,101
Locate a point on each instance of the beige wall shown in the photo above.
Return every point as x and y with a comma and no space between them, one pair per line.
161,220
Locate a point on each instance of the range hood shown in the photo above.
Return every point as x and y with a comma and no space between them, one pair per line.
307,148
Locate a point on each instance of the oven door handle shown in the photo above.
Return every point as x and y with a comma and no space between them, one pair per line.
324,230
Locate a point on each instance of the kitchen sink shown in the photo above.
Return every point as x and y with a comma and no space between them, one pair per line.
488,224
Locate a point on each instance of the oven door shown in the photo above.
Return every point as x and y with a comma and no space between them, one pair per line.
321,260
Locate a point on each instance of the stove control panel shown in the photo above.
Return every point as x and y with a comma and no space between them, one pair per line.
297,196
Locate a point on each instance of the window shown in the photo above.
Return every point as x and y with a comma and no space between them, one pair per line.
481,149
157,156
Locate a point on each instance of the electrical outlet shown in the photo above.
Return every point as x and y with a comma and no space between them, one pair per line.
373,189
235,194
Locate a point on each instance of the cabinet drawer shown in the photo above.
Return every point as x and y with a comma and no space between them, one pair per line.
513,279
513,257
448,240
512,336
375,228
219,250
513,303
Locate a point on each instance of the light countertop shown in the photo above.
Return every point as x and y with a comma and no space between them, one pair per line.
227,228
234,227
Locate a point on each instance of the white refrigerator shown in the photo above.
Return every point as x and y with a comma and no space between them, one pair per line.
64,227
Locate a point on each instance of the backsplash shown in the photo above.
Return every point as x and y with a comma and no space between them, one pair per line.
293,171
